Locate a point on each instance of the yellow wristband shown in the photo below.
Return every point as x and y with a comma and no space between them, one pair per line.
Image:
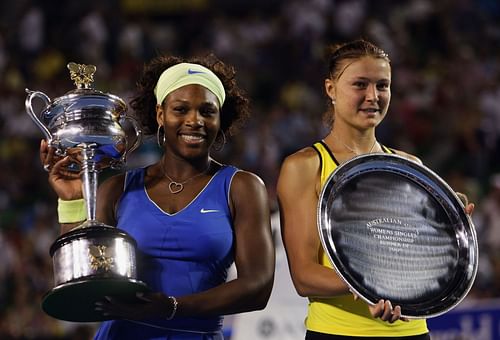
71,211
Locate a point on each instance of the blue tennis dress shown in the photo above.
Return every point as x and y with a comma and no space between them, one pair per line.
179,254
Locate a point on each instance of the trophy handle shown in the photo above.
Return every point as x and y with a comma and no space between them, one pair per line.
138,135
117,164
33,115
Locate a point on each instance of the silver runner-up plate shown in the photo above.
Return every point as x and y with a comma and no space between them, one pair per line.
394,230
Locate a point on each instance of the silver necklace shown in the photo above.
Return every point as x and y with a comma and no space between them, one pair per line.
176,187
351,149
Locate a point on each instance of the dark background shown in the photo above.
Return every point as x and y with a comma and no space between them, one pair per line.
445,103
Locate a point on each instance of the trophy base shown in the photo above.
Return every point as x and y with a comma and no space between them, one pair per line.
75,301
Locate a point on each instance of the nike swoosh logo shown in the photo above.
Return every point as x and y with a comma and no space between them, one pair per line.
190,71
204,211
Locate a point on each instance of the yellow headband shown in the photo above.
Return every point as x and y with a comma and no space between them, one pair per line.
184,74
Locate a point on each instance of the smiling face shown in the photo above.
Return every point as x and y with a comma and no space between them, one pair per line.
191,118
361,92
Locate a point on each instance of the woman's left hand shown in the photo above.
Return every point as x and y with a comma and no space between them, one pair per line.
469,207
384,310
146,306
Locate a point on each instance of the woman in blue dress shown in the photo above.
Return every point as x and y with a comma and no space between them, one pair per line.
191,216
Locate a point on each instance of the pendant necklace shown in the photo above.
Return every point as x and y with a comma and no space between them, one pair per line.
351,149
176,187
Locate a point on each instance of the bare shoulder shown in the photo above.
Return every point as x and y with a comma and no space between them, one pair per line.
248,194
408,156
299,174
114,182
110,191
243,179
112,187
305,159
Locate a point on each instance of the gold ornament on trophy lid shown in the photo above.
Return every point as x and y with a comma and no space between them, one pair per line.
81,74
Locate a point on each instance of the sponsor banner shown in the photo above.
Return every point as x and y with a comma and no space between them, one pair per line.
283,318
275,323
472,320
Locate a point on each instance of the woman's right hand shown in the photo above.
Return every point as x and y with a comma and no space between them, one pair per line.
66,183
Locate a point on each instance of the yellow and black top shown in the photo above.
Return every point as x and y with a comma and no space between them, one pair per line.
342,315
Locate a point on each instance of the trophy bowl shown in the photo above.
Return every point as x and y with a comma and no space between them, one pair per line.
85,118
394,230
93,260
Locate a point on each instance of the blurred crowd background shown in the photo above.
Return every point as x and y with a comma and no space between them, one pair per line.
445,103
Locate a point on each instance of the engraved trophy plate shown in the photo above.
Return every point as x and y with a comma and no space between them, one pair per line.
93,260
393,229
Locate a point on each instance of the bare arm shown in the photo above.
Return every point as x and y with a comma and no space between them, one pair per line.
298,187
68,186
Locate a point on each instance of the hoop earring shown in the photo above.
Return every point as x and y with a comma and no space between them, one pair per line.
220,141
162,142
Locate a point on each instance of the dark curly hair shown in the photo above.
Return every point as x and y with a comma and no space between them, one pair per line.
337,53
233,113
